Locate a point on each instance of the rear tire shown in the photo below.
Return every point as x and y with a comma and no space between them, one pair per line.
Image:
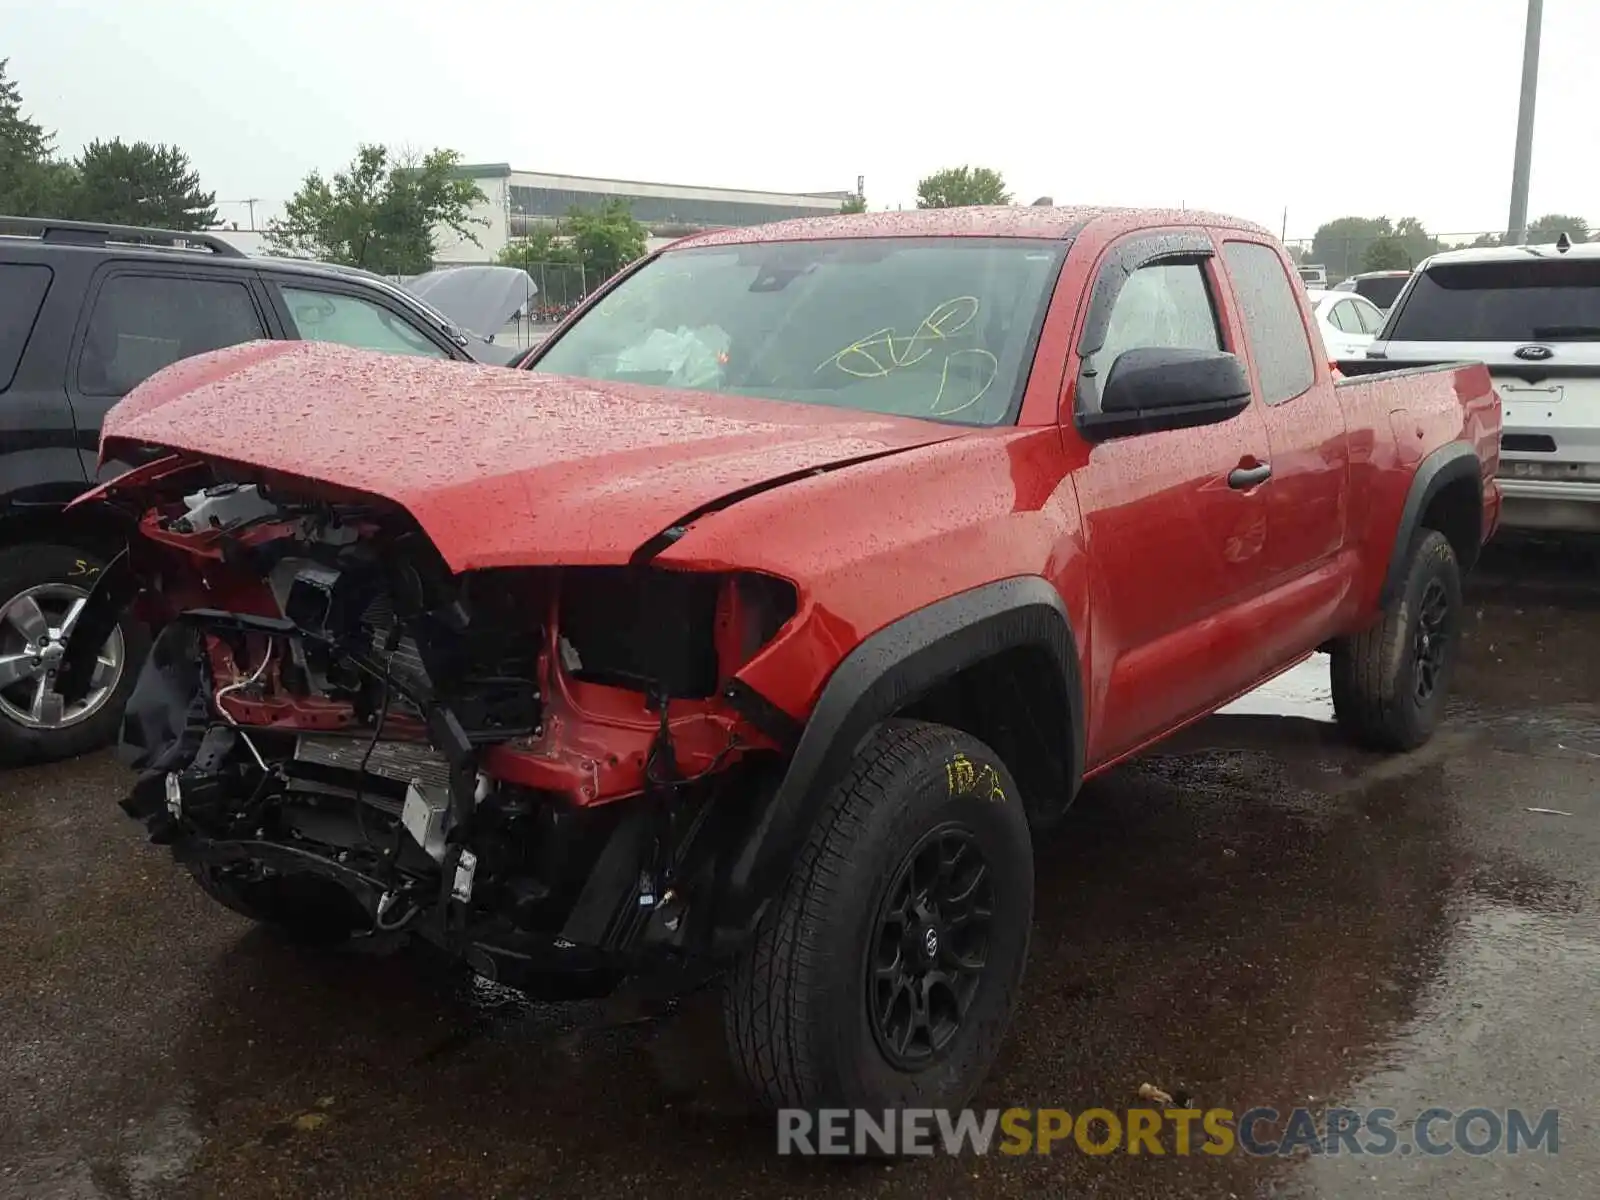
885,973
1390,683
39,583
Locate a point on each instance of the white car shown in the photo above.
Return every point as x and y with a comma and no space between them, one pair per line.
1346,321
1532,314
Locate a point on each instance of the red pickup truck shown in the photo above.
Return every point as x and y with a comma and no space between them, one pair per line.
757,625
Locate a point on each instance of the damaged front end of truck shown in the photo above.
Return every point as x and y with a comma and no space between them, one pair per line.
545,770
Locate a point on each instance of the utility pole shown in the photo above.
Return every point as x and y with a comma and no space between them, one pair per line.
1284,236
251,202
1517,224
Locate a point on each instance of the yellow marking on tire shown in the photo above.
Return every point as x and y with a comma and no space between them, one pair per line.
961,775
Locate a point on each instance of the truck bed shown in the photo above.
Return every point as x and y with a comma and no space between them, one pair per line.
1367,367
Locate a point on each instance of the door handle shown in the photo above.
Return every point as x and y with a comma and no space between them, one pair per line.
1248,477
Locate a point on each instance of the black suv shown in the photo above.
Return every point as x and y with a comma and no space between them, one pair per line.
87,312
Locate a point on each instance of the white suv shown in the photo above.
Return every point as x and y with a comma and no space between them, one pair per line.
1532,314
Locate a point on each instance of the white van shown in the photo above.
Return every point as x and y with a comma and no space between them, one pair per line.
1313,275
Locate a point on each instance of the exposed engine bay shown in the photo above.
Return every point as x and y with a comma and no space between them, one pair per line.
537,768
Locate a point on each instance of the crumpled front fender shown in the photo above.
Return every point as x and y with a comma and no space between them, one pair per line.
113,592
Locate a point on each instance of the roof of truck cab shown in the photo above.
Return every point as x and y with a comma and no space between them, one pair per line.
1018,221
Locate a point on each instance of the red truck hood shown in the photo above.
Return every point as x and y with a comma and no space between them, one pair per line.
499,467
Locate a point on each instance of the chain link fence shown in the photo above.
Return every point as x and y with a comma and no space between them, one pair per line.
560,287
1343,257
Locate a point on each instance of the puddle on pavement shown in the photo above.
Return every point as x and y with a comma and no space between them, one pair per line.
1289,718
1503,1005
1566,731
1302,692
142,1157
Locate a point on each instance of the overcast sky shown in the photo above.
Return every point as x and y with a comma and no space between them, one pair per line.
1326,107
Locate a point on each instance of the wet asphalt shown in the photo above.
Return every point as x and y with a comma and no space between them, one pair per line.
1257,915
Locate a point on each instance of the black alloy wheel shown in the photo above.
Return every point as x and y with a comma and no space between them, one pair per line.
927,961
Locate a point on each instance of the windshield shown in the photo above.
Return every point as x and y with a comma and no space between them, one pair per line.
1516,301
922,327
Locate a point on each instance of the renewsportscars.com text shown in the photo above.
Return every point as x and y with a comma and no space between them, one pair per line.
1179,1132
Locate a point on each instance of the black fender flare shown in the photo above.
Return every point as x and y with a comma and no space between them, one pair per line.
887,671
1447,465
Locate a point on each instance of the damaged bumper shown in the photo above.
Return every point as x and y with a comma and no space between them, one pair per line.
547,771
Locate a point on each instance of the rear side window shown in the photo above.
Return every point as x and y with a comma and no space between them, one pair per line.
142,323
1272,320
22,289
1344,317
1382,291
1371,317
1533,300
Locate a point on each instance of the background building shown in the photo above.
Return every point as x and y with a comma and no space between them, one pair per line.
518,202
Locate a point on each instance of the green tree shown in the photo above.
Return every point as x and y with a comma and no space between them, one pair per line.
958,187
1350,244
1340,245
33,183
140,184
605,239
1552,225
543,245
1385,254
1487,241
381,213
1415,241
854,204
23,140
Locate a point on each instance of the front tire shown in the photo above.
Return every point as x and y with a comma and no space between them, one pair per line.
1389,683
42,587
886,972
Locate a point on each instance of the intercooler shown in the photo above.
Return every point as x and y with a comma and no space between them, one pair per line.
402,762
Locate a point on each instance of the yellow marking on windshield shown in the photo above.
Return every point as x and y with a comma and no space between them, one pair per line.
881,352
944,378
863,356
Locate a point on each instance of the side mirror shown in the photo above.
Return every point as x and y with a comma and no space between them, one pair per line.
1153,388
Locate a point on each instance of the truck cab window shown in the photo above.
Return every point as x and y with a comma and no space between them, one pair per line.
1163,304
1272,320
